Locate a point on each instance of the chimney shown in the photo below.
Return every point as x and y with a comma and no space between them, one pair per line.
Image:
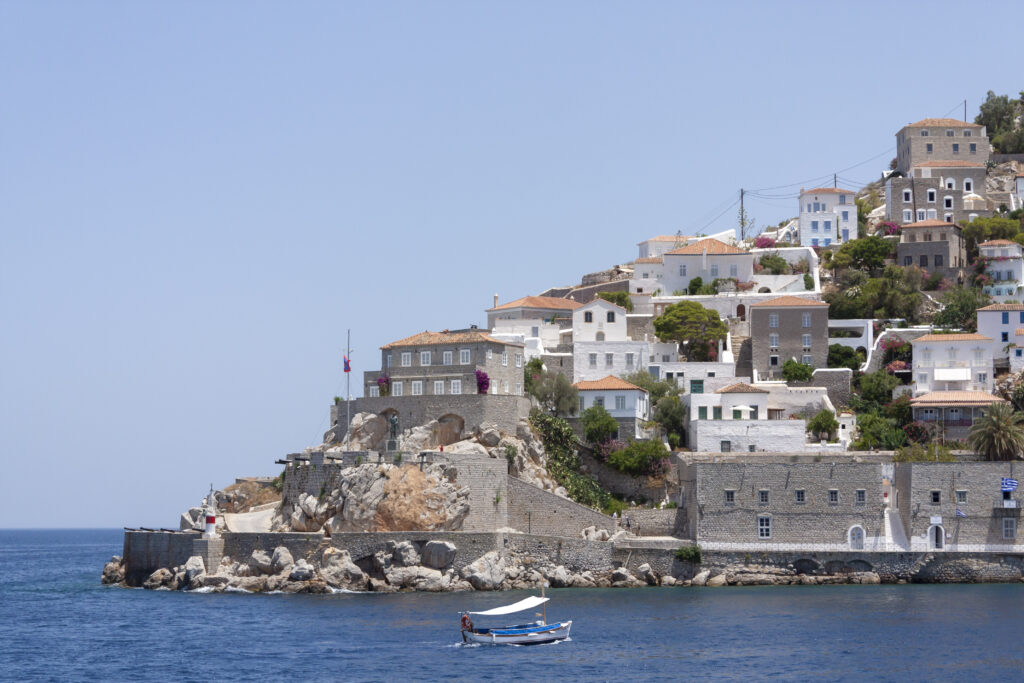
495,300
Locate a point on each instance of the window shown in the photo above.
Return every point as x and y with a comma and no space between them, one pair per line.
773,340
861,496
1018,353
519,360
608,359
950,184
907,216
773,361
1006,318
982,377
807,359
396,388
924,133
716,412
733,270
1004,336
762,497
593,360
490,354
947,202
842,199
920,214
446,358
588,316
374,390
800,497
924,260
938,260
806,340
406,359
610,317
814,241
764,527
936,497
968,185
961,497
806,319
535,331
730,497
464,356
929,148
504,358
714,270
1009,527
906,196
424,357
927,237
581,404
682,269
908,260
387,360
956,148
702,412
417,388
773,320
456,386
629,360
974,148
814,226
696,386
599,401
519,388
846,216
828,226
505,386
833,496
933,215
620,403
439,387
931,196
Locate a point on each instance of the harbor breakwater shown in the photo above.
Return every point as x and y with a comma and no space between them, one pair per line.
457,561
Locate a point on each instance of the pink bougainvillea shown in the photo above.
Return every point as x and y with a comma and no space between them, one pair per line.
762,242
483,382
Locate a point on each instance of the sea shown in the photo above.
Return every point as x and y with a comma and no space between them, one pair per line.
57,623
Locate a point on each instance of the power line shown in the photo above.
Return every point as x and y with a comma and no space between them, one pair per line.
706,225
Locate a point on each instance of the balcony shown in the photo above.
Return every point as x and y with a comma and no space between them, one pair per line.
1002,503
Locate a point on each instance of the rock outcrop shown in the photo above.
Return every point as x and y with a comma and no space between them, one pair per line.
113,571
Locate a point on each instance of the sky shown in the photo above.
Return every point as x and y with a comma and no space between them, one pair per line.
198,200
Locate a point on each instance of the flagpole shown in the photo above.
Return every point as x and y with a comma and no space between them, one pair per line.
348,389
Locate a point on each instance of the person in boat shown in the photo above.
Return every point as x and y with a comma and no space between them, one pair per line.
467,623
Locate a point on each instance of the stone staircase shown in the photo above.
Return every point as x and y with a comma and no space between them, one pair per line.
745,357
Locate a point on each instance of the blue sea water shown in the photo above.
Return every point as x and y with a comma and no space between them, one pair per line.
58,623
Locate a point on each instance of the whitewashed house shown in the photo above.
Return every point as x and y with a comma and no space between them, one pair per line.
601,345
627,403
828,216
999,322
1003,263
952,362
531,308
735,418
709,259
656,246
647,275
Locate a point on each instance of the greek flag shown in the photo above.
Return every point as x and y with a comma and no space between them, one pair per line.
1009,484
960,513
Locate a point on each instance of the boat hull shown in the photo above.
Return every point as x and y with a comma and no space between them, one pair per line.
519,635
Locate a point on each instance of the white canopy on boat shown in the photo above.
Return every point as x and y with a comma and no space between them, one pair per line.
529,602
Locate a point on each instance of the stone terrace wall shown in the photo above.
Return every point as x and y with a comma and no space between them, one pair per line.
575,554
622,484
535,511
669,522
146,551
836,382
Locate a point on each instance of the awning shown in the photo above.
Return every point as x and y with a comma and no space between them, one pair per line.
528,603
952,374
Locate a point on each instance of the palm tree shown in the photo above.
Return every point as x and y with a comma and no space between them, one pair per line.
999,434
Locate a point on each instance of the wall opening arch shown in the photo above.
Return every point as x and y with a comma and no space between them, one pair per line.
855,537
936,537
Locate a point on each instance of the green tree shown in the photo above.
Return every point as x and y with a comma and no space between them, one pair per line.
824,424
531,375
840,356
999,434
670,414
808,281
984,229
556,394
695,285
639,457
899,411
895,295
618,298
878,432
998,113
598,425
877,387
655,388
915,452
960,308
793,371
774,263
868,253
691,326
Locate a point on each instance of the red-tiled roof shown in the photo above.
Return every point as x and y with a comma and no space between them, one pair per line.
1003,307
966,336
651,259
939,399
549,302
948,123
609,383
950,164
998,243
826,190
714,248
741,388
437,338
789,301
930,223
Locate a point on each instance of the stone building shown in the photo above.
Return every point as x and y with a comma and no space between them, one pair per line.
828,216
940,140
948,191
935,246
788,327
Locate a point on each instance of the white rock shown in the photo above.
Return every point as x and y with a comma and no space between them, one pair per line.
716,581
559,577
490,437
281,560
261,561
418,578
465,448
701,578
487,572
405,554
193,568
302,571
340,571
367,431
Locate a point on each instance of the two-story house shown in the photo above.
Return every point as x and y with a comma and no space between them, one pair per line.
952,191
547,308
1003,264
935,246
789,327
657,246
952,362
647,275
709,259
627,403
828,216
602,345
1000,322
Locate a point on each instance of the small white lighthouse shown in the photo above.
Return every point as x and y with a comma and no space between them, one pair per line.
210,513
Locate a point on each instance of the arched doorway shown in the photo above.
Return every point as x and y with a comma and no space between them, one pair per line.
450,431
741,312
936,537
856,537
764,290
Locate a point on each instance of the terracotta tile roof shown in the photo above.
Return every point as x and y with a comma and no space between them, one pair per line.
827,190
955,398
949,164
966,336
930,223
949,123
714,247
1003,307
740,388
437,338
652,259
550,302
789,301
609,383
668,238
999,243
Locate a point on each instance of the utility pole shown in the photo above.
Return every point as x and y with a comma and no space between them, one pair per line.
834,182
965,111
348,391
743,219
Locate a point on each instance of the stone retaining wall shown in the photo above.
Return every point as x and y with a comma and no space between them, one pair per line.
146,551
626,485
534,511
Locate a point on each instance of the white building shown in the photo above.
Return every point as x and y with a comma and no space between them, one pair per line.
709,259
647,275
627,403
537,336
828,216
735,418
656,246
531,308
594,360
999,322
952,362
599,320
1017,198
1004,265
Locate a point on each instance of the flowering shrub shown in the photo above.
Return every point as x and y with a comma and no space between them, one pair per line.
744,286
384,385
483,382
888,228
763,242
607,448
917,432
897,366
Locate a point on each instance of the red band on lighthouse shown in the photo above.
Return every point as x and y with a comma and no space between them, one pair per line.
211,519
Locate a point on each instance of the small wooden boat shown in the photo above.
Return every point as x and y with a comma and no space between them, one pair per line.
520,634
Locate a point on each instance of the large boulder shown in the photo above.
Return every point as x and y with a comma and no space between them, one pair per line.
647,575
466,447
193,568
339,571
405,554
301,571
438,554
161,577
366,432
701,578
489,437
282,560
113,571
715,581
487,572
426,437
418,578
261,561
559,577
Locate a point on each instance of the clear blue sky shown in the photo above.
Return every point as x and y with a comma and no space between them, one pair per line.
198,199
